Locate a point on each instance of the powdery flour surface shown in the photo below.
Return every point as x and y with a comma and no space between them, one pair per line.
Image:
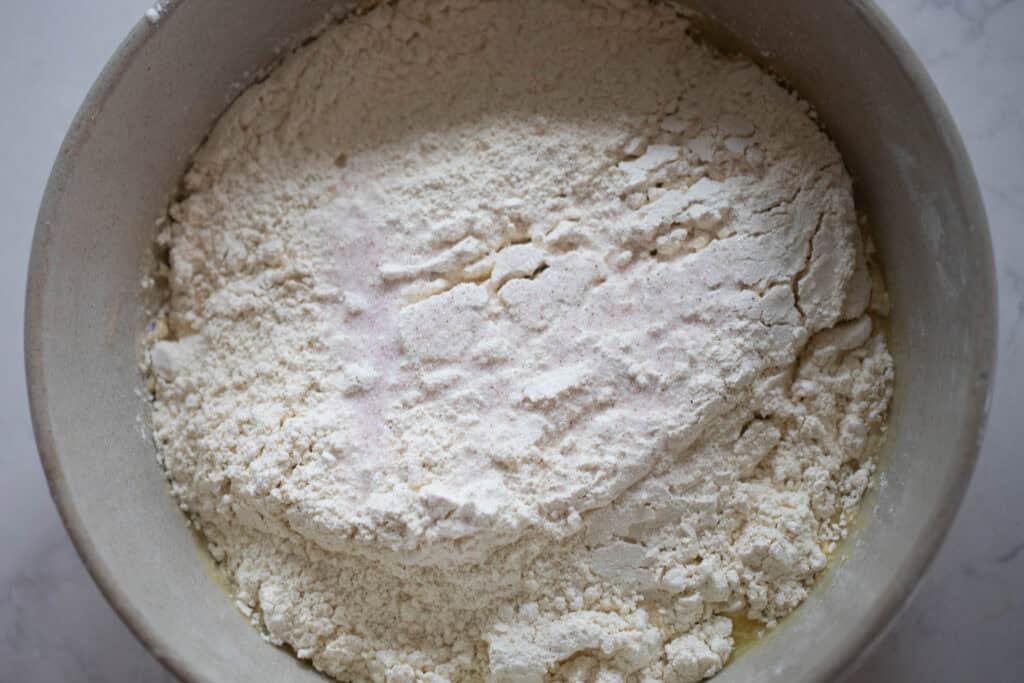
517,341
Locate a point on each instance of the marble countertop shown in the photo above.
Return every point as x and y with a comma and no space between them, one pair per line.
966,621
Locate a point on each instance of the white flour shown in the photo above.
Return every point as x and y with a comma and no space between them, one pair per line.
517,341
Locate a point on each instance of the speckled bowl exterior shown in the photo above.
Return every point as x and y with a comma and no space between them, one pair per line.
158,97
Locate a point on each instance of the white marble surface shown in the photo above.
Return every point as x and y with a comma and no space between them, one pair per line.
965,623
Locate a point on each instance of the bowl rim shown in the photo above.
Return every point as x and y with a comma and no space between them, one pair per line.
892,601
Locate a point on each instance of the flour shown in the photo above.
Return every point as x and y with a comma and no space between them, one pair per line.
517,341
154,13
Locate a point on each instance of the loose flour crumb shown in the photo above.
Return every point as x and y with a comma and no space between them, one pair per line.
517,341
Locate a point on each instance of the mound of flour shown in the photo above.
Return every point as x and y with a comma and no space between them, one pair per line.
517,341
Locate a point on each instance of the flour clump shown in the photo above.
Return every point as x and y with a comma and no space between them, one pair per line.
517,341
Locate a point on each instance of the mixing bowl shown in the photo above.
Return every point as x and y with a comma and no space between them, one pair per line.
158,97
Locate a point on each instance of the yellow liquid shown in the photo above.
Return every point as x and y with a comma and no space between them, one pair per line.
745,633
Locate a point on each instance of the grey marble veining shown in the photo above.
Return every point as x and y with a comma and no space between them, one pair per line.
966,621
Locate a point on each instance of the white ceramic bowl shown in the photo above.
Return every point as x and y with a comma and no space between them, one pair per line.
158,97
